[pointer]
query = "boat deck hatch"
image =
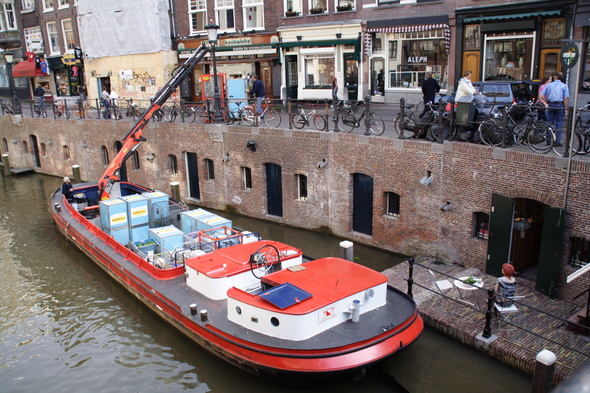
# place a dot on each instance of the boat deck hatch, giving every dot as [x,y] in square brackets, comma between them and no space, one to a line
[285,295]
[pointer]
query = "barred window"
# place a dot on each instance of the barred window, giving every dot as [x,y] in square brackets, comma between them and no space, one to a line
[580,251]
[481,222]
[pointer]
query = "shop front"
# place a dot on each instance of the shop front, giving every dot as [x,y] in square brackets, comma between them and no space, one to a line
[402,51]
[313,56]
[67,74]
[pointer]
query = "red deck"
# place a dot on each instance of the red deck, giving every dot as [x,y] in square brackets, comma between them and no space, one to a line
[327,279]
[235,258]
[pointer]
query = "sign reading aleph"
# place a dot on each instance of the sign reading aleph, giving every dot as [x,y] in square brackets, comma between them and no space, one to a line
[417,59]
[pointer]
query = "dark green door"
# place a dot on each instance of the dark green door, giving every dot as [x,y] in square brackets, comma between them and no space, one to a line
[274,190]
[550,252]
[193,175]
[362,203]
[500,237]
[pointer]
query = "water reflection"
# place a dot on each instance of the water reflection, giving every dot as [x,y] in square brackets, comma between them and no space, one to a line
[67,326]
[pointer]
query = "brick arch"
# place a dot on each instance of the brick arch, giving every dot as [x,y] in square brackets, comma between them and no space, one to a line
[527,193]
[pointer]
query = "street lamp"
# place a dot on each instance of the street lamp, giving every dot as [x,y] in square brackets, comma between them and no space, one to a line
[212,29]
[9,56]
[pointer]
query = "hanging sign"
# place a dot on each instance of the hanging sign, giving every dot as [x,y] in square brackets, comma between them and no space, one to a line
[569,54]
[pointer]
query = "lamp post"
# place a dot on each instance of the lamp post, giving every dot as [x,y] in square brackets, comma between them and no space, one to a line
[212,35]
[9,56]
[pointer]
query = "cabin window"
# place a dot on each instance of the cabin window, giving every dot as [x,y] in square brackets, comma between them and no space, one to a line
[246,178]
[301,186]
[105,155]
[210,169]
[392,204]
[173,164]
[580,251]
[481,222]
[274,321]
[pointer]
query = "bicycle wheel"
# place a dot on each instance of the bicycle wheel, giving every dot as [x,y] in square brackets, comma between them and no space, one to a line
[345,120]
[575,144]
[90,112]
[167,114]
[248,116]
[540,137]
[36,111]
[419,108]
[299,120]
[76,112]
[158,115]
[490,132]
[319,122]
[66,113]
[272,118]
[376,124]
[405,131]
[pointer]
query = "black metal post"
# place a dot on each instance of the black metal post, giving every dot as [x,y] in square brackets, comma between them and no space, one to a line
[568,128]
[504,127]
[15,103]
[402,122]
[441,113]
[289,111]
[410,277]
[217,118]
[487,330]
[367,118]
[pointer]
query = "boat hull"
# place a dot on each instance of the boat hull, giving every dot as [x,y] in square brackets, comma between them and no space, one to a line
[282,364]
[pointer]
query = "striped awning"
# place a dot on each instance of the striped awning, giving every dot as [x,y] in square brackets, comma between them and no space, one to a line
[408,29]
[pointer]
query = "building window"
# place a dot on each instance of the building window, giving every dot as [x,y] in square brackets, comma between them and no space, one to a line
[553,32]
[28,5]
[246,178]
[471,38]
[68,32]
[344,5]
[210,169]
[318,69]
[63,4]
[33,39]
[293,7]
[197,10]
[173,164]
[25,147]
[7,20]
[392,204]
[47,5]
[318,6]
[481,222]
[105,155]
[301,186]
[580,251]
[53,39]
[224,12]
[136,165]
[508,57]
[43,150]
[387,2]
[4,145]
[253,11]
[66,152]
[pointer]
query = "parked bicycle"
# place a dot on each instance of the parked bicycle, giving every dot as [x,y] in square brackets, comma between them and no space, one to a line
[582,130]
[269,116]
[39,108]
[301,119]
[81,110]
[7,108]
[346,119]
[60,109]
[132,109]
[538,135]
[233,115]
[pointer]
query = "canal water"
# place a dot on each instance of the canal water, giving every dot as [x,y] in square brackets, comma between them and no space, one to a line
[66,326]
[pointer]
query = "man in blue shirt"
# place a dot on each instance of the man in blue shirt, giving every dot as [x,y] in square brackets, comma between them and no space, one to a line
[557,95]
[257,91]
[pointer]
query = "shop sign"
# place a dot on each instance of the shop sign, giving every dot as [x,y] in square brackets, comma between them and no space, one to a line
[126,74]
[417,59]
[569,54]
[237,41]
[69,59]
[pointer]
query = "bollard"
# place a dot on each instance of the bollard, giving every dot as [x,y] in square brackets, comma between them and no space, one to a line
[6,162]
[175,191]
[193,308]
[356,310]
[410,276]
[402,120]
[368,118]
[76,174]
[487,330]
[543,373]
[346,250]
[204,316]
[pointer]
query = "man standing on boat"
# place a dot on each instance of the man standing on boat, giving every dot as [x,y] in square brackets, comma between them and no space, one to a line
[67,188]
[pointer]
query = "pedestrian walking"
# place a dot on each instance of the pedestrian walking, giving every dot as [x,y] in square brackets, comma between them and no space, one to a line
[556,94]
[429,89]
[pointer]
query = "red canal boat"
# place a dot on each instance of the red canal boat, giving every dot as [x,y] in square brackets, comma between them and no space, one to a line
[257,304]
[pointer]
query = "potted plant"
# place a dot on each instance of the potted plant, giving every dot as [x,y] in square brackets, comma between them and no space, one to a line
[344,7]
[316,10]
[291,13]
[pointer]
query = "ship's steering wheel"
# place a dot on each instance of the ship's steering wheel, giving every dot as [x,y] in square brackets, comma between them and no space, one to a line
[264,260]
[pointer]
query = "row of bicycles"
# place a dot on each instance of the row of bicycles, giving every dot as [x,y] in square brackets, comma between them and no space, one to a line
[511,125]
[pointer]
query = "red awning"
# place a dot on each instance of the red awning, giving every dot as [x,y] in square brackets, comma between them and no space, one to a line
[26,69]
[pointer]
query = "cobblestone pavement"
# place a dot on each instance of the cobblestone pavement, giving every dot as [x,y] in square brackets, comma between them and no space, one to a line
[540,322]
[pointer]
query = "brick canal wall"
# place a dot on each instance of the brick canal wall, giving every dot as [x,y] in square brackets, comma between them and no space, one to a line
[464,174]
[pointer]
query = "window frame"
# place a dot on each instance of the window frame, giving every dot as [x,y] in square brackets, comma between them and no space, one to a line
[392,204]
[259,5]
[28,5]
[209,170]
[173,164]
[302,185]
[63,4]
[8,17]
[225,6]
[314,4]
[197,7]
[48,5]
[70,32]
[53,49]
[481,225]
[246,178]
[576,243]
[104,151]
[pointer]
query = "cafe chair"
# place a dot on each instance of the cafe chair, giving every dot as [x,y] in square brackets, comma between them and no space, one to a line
[443,286]
[506,314]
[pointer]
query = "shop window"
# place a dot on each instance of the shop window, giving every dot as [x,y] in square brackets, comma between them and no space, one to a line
[197,10]
[471,38]
[209,170]
[481,222]
[224,10]
[508,58]
[47,5]
[293,7]
[553,32]
[318,70]
[318,6]
[7,19]
[173,164]
[580,251]
[246,178]
[253,11]
[28,5]
[105,155]
[66,152]
[53,38]
[586,79]
[392,204]
[377,43]
[68,32]
[301,186]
